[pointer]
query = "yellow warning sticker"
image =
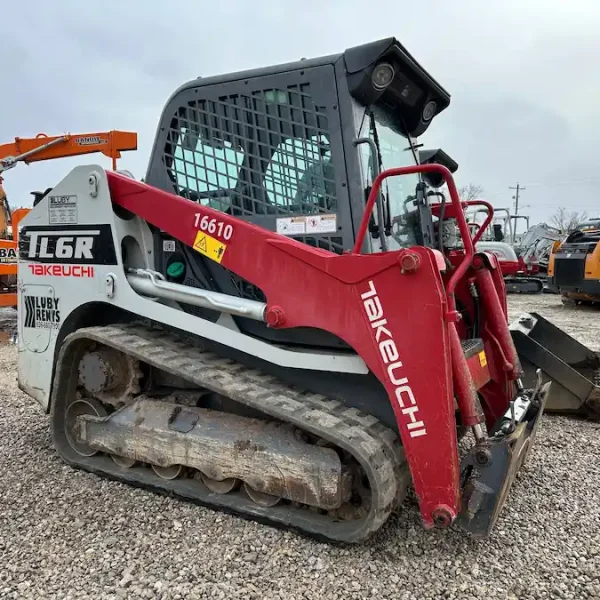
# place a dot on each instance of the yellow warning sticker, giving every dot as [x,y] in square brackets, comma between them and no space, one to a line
[209,246]
[482,359]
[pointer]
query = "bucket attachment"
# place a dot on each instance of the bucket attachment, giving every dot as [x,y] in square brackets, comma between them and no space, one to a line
[573,369]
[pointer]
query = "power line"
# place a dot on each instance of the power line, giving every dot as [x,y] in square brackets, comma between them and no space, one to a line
[518,189]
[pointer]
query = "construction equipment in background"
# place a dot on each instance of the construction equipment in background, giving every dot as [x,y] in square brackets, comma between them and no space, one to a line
[589,225]
[9,232]
[574,266]
[520,277]
[536,246]
[273,323]
[39,148]
[520,274]
[43,147]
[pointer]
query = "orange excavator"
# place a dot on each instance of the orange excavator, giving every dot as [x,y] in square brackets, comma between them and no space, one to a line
[43,147]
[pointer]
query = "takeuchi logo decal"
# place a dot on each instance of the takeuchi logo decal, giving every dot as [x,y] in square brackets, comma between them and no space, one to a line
[42,312]
[62,270]
[390,357]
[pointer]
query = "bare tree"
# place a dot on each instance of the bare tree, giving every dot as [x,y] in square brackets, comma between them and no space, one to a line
[471,191]
[567,221]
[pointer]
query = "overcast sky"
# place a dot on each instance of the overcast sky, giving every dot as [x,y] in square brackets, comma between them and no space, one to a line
[522,74]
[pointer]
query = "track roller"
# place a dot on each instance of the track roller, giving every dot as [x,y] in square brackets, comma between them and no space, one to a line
[124,461]
[171,472]
[260,498]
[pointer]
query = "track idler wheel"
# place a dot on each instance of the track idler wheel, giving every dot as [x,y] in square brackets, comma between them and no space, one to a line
[81,406]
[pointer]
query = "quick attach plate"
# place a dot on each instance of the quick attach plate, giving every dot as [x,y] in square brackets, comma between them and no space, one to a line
[490,467]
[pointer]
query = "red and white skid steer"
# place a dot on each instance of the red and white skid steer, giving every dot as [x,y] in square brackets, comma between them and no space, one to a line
[273,323]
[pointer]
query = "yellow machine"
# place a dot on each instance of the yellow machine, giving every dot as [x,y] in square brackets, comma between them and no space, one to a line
[574,267]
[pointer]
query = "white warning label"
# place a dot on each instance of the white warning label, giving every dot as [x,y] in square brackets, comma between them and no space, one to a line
[303,225]
[321,224]
[62,210]
[291,225]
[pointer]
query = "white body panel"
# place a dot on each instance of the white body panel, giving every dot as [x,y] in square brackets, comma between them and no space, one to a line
[503,251]
[49,292]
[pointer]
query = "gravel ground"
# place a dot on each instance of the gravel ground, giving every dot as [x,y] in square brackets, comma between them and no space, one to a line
[68,534]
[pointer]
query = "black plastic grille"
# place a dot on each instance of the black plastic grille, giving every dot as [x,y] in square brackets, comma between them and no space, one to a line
[569,271]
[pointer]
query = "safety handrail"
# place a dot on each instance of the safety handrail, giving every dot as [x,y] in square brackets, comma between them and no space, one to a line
[488,219]
[460,217]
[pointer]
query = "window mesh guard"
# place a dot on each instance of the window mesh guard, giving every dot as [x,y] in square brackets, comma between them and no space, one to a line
[267,153]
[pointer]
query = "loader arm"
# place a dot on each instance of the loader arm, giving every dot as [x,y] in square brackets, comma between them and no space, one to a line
[352,296]
[363,299]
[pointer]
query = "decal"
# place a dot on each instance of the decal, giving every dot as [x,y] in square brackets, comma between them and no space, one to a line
[482,359]
[90,140]
[321,224]
[291,225]
[62,210]
[213,226]
[68,244]
[61,270]
[168,246]
[391,359]
[209,246]
[41,312]
[8,255]
[304,225]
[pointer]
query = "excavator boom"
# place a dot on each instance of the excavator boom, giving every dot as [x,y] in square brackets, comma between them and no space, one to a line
[43,147]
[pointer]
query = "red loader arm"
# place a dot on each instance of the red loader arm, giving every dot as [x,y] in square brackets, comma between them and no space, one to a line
[390,307]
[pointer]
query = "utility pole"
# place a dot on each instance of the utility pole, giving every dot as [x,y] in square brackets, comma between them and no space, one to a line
[517,189]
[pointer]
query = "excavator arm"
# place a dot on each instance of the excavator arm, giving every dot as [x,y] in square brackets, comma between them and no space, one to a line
[43,147]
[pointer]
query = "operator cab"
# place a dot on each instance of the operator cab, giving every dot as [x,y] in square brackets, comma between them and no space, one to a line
[295,148]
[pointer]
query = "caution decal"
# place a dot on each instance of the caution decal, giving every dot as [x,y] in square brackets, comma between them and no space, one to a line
[209,246]
[482,359]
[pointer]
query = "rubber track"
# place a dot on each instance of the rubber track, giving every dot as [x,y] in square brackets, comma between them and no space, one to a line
[374,446]
[508,281]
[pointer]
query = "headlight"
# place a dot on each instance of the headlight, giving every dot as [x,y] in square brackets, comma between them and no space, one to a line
[382,76]
[429,110]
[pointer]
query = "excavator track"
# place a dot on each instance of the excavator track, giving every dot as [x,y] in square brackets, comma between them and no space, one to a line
[523,285]
[374,447]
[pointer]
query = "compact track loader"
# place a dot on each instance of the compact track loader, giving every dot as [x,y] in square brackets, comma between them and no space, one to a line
[278,322]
